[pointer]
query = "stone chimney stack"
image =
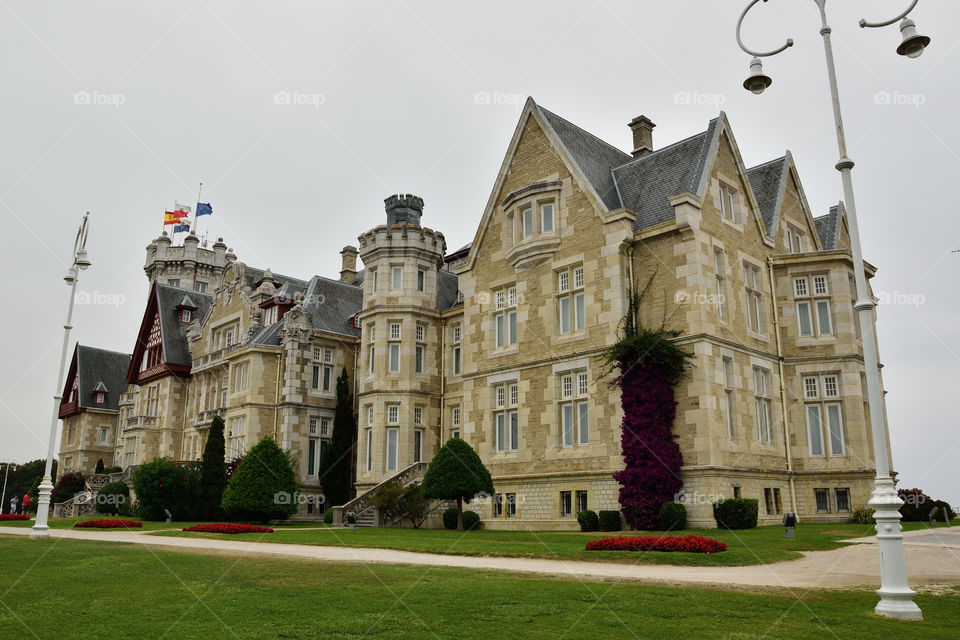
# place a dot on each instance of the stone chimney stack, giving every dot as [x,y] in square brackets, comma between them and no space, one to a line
[642,128]
[348,266]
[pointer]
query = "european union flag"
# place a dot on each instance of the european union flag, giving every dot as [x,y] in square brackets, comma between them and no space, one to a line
[181,227]
[204,209]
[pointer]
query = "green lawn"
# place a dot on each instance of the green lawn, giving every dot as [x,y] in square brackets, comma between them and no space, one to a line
[753,546]
[74,589]
[67,523]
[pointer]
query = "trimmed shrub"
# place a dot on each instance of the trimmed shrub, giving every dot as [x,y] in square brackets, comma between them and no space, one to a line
[588,521]
[736,513]
[14,516]
[450,518]
[610,521]
[328,516]
[862,515]
[213,472]
[69,485]
[917,506]
[108,524]
[264,487]
[112,499]
[686,544]
[164,484]
[456,473]
[673,516]
[335,469]
[99,468]
[113,469]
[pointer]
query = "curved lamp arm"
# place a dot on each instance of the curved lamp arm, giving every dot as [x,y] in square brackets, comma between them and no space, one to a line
[761,54]
[864,23]
[81,241]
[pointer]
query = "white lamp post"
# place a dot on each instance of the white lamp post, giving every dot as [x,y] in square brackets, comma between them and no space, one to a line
[79,261]
[896,597]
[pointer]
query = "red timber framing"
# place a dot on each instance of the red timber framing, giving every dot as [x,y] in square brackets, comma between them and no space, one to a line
[148,362]
[70,401]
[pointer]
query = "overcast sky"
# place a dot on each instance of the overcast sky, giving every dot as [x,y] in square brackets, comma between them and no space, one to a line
[301,117]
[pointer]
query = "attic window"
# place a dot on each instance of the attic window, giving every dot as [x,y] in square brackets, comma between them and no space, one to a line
[270,315]
[728,202]
[100,398]
[186,315]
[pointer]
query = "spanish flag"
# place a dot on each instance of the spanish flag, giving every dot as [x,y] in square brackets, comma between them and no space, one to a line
[173,217]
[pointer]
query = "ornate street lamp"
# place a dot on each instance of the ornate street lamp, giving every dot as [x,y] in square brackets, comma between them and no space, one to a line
[896,597]
[79,262]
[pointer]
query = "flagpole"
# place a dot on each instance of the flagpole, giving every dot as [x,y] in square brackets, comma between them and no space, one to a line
[196,218]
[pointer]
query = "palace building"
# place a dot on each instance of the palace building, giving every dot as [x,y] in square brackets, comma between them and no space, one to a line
[499,342]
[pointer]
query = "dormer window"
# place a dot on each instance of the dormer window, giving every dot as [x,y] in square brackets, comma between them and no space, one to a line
[185,309]
[99,398]
[186,315]
[270,316]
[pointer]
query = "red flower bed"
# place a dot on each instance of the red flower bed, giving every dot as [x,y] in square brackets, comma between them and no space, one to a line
[109,524]
[688,544]
[224,527]
[14,516]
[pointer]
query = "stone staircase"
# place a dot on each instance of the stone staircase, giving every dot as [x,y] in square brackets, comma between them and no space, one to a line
[365,513]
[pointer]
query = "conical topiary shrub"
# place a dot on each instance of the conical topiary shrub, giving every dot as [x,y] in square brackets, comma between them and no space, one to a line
[263,487]
[456,473]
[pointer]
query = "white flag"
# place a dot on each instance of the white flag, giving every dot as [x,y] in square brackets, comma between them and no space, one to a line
[182,207]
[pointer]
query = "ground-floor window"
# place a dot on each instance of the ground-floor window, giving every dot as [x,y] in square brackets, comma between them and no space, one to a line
[566,503]
[392,439]
[497,505]
[843,499]
[418,445]
[822,497]
[511,505]
[581,501]
[772,501]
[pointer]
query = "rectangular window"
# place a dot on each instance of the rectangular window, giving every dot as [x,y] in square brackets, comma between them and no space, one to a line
[564,315]
[456,361]
[396,278]
[324,426]
[729,398]
[369,450]
[506,418]
[394,357]
[563,281]
[822,497]
[457,334]
[835,427]
[311,456]
[372,358]
[768,500]
[574,410]
[581,501]
[814,316]
[373,281]
[754,297]
[419,359]
[810,387]
[527,222]
[830,388]
[420,332]
[800,287]
[312,429]
[393,414]
[104,435]
[764,404]
[497,505]
[824,324]
[843,499]
[392,440]
[455,416]
[566,504]
[505,320]
[546,218]
[814,430]
[579,313]
[372,333]
[720,269]
[420,280]
[395,330]
[728,198]
[418,415]
[370,415]
[418,445]
[511,505]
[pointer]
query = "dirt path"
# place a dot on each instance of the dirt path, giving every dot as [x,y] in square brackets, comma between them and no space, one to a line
[933,560]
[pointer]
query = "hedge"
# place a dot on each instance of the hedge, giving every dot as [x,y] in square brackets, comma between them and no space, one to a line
[610,521]
[673,516]
[471,519]
[588,521]
[736,513]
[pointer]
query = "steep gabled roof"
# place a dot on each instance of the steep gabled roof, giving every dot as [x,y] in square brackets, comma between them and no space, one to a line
[331,304]
[768,181]
[646,183]
[828,227]
[593,156]
[447,287]
[97,370]
[174,332]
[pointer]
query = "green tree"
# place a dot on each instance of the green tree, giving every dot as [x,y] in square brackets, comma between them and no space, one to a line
[99,468]
[456,473]
[336,467]
[23,479]
[263,487]
[213,472]
[163,485]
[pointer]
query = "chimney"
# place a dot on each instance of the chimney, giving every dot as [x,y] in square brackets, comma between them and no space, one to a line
[348,267]
[642,128]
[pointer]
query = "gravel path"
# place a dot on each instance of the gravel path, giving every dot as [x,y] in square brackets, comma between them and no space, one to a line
[933,560]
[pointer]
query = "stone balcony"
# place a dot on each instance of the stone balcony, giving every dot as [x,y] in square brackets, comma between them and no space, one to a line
[139,422]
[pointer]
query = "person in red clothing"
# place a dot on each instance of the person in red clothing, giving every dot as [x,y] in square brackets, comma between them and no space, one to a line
[25,503]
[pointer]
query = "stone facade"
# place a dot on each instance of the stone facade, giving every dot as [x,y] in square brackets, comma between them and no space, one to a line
[500,343]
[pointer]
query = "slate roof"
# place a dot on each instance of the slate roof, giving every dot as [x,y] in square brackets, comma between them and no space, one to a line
[827,227]
[646,183]
[331,303]
[594,157]
[99,368]
[173,331]
[447,287]
[766,180]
